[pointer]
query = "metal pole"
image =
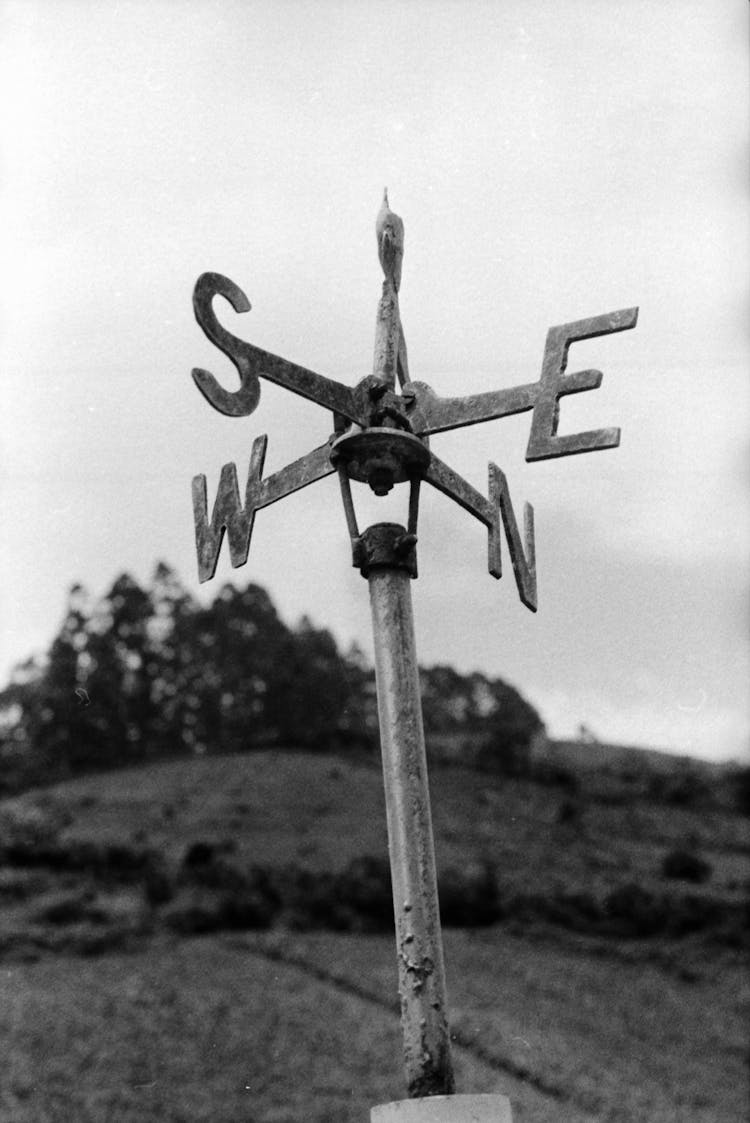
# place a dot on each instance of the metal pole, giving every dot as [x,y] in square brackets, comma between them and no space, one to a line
[389,567]
[381,438]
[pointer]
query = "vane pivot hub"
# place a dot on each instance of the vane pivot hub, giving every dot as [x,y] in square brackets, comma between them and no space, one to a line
[381,457]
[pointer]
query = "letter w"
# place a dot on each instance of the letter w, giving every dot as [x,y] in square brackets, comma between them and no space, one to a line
[228,514]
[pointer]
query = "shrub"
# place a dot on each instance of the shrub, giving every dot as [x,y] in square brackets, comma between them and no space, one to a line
[26,826]
[578,911]
[205,864]
[694,914]
[633,911]
[365,887]
[569,811]
[221,892]
[315,900]
[469,897]
[195,912]
[741,789]
[69,908]
[121,862]
[254,901]
[198,910]
[683,787]
[685,865]
[19,885]
[157,884]
[553,773]
[199,854]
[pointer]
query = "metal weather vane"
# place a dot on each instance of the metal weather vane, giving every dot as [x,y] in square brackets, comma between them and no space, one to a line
[381,437]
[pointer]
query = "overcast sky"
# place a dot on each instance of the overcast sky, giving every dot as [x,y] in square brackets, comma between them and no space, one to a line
[551,161]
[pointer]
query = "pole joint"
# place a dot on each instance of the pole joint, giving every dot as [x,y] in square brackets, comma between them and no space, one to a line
[386,545]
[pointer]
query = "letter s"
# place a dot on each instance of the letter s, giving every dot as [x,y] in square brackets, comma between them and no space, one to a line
[242,402]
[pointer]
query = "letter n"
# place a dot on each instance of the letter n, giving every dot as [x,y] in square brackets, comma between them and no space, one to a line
[523,561]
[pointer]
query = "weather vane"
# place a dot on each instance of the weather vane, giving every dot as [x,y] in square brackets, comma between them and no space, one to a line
[381,437]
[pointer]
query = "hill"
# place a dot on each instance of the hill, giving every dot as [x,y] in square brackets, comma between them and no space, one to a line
[584,852]
[588,754]
[594,944]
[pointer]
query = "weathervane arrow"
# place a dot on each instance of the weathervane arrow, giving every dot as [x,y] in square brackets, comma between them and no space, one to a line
[381,436]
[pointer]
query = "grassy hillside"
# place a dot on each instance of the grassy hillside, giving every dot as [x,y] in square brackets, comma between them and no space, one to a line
[318,812]
[611,984]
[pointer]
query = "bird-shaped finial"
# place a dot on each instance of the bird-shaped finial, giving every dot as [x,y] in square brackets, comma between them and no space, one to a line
[389,230]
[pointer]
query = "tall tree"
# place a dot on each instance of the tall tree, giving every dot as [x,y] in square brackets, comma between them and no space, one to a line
[57,725]
[146,672]
[171,663]
[117,681]
[310,690]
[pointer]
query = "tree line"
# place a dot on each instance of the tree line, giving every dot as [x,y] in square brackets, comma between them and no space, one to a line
[145,673]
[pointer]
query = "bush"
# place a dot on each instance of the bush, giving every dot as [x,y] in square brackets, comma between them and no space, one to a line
[685,865]
[633,911]
[206,864]
[694,914]
[68,908]
[313,900]
[195,912]
[19,885]
[469,897]
[24,825]
[741,784]
[569,811]
[365,886]
[254,902]
[157,884]
[199,854]
[221,893]
[553,773]
[683,787]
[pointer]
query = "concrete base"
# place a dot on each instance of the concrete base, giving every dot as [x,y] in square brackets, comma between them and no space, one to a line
[445,1109]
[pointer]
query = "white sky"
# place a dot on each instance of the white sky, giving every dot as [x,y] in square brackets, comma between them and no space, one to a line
[551,161]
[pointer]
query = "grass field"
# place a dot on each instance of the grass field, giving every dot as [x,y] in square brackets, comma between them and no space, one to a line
[106,1014]
[224,1029]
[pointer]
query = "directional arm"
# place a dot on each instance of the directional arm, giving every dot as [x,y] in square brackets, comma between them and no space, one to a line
[382,436]
[430,413]
[433,414]
[554,383]
[253,363]
[490,511]
[237,520]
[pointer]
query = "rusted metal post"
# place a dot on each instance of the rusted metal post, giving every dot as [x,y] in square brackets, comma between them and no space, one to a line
[389,565]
